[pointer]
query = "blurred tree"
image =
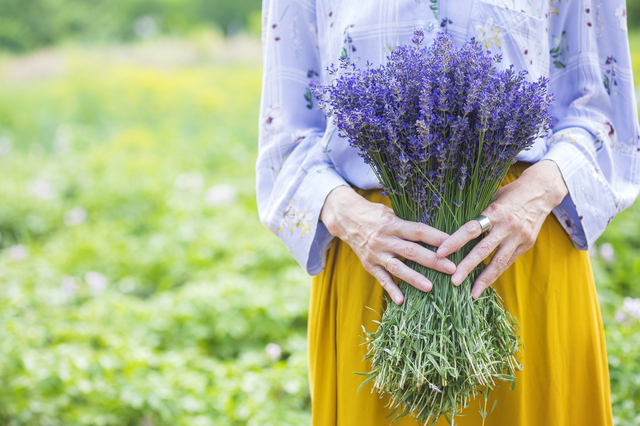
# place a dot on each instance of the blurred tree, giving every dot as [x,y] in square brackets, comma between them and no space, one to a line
[26,25]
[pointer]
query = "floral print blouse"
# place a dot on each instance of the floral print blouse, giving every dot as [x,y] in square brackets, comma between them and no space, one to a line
[581,45]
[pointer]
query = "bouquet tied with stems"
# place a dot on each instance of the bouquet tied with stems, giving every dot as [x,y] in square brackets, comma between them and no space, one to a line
[440,126]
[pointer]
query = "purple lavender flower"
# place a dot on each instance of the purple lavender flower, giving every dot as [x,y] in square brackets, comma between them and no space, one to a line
[434,116]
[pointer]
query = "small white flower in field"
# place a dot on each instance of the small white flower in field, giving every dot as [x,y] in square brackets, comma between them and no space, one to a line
[145,27]
[620,316]
[97,282]
[18,252]
[75,216]
[273,350]
[69,286]
[5,145]
[42,188]
[189,181]
[434,388]
[62,139]
[607,253]
[292,386]
[631,307]
[220,194]
[593,251]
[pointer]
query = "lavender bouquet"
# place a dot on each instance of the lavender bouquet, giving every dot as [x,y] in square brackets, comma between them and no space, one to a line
[440,126]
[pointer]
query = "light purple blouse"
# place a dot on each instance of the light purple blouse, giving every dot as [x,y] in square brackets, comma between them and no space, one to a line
[581,45]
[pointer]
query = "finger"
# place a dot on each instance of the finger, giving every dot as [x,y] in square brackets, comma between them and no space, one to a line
[458,239]
[424,256]
[481,251]
[500,261]
[416,231]
[386,281]
[396,267]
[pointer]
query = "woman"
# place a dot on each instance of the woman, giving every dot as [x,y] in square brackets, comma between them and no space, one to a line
[312,186]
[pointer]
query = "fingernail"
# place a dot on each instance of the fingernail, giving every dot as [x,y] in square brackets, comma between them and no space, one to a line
[456,279]
[450,267]
[398,299]
[442,252]
[426,286]
[476,293]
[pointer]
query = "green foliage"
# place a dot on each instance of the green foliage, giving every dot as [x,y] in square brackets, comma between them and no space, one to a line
[138,286]
[26,25]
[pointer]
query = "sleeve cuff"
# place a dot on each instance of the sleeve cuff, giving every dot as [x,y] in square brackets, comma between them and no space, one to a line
[588,209]
[309,245]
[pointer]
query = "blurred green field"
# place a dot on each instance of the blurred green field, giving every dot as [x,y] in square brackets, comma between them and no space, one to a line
[138,286]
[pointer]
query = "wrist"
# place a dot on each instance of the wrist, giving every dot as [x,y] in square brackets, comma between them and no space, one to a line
[334,205]
[549,176]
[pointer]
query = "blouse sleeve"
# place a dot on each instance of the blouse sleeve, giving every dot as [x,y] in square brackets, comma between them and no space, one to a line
[595,140]
[293,173]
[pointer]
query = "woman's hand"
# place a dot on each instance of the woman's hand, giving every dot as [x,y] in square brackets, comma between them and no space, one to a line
[379,237]
[516,214]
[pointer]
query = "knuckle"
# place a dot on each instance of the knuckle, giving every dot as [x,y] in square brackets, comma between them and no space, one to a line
[482,282]
[374,241]
[384,283]
[440,262]
[502,261]
[368,266]
[464,268]
[471,227]
[509,220]
[529,240]
[387,219]
[409,251]
[483,249]
[415,279]
[393,266]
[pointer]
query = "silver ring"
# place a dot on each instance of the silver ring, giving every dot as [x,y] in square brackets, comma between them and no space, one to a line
[387,262]
[484,222]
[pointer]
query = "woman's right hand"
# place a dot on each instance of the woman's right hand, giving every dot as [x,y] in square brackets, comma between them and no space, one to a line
[376,234]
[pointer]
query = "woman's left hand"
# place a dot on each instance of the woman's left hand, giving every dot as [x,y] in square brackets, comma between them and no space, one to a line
[516,213]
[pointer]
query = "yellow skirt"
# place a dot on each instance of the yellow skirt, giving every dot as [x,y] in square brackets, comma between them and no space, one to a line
[549,289]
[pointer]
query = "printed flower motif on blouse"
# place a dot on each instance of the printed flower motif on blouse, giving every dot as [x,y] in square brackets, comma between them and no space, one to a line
[445,22]
[628,146]
[434,8]
[609,78]
[565,219]
[487,34]
[272,119]
[313,29]
[561,137]
[621,14]
[349,49]
[599,21]
[552,9]
[588,21]
[559,52]
[295,35]
[308,96]
[602,136]
[294,219]
[299,135]
[582,101]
